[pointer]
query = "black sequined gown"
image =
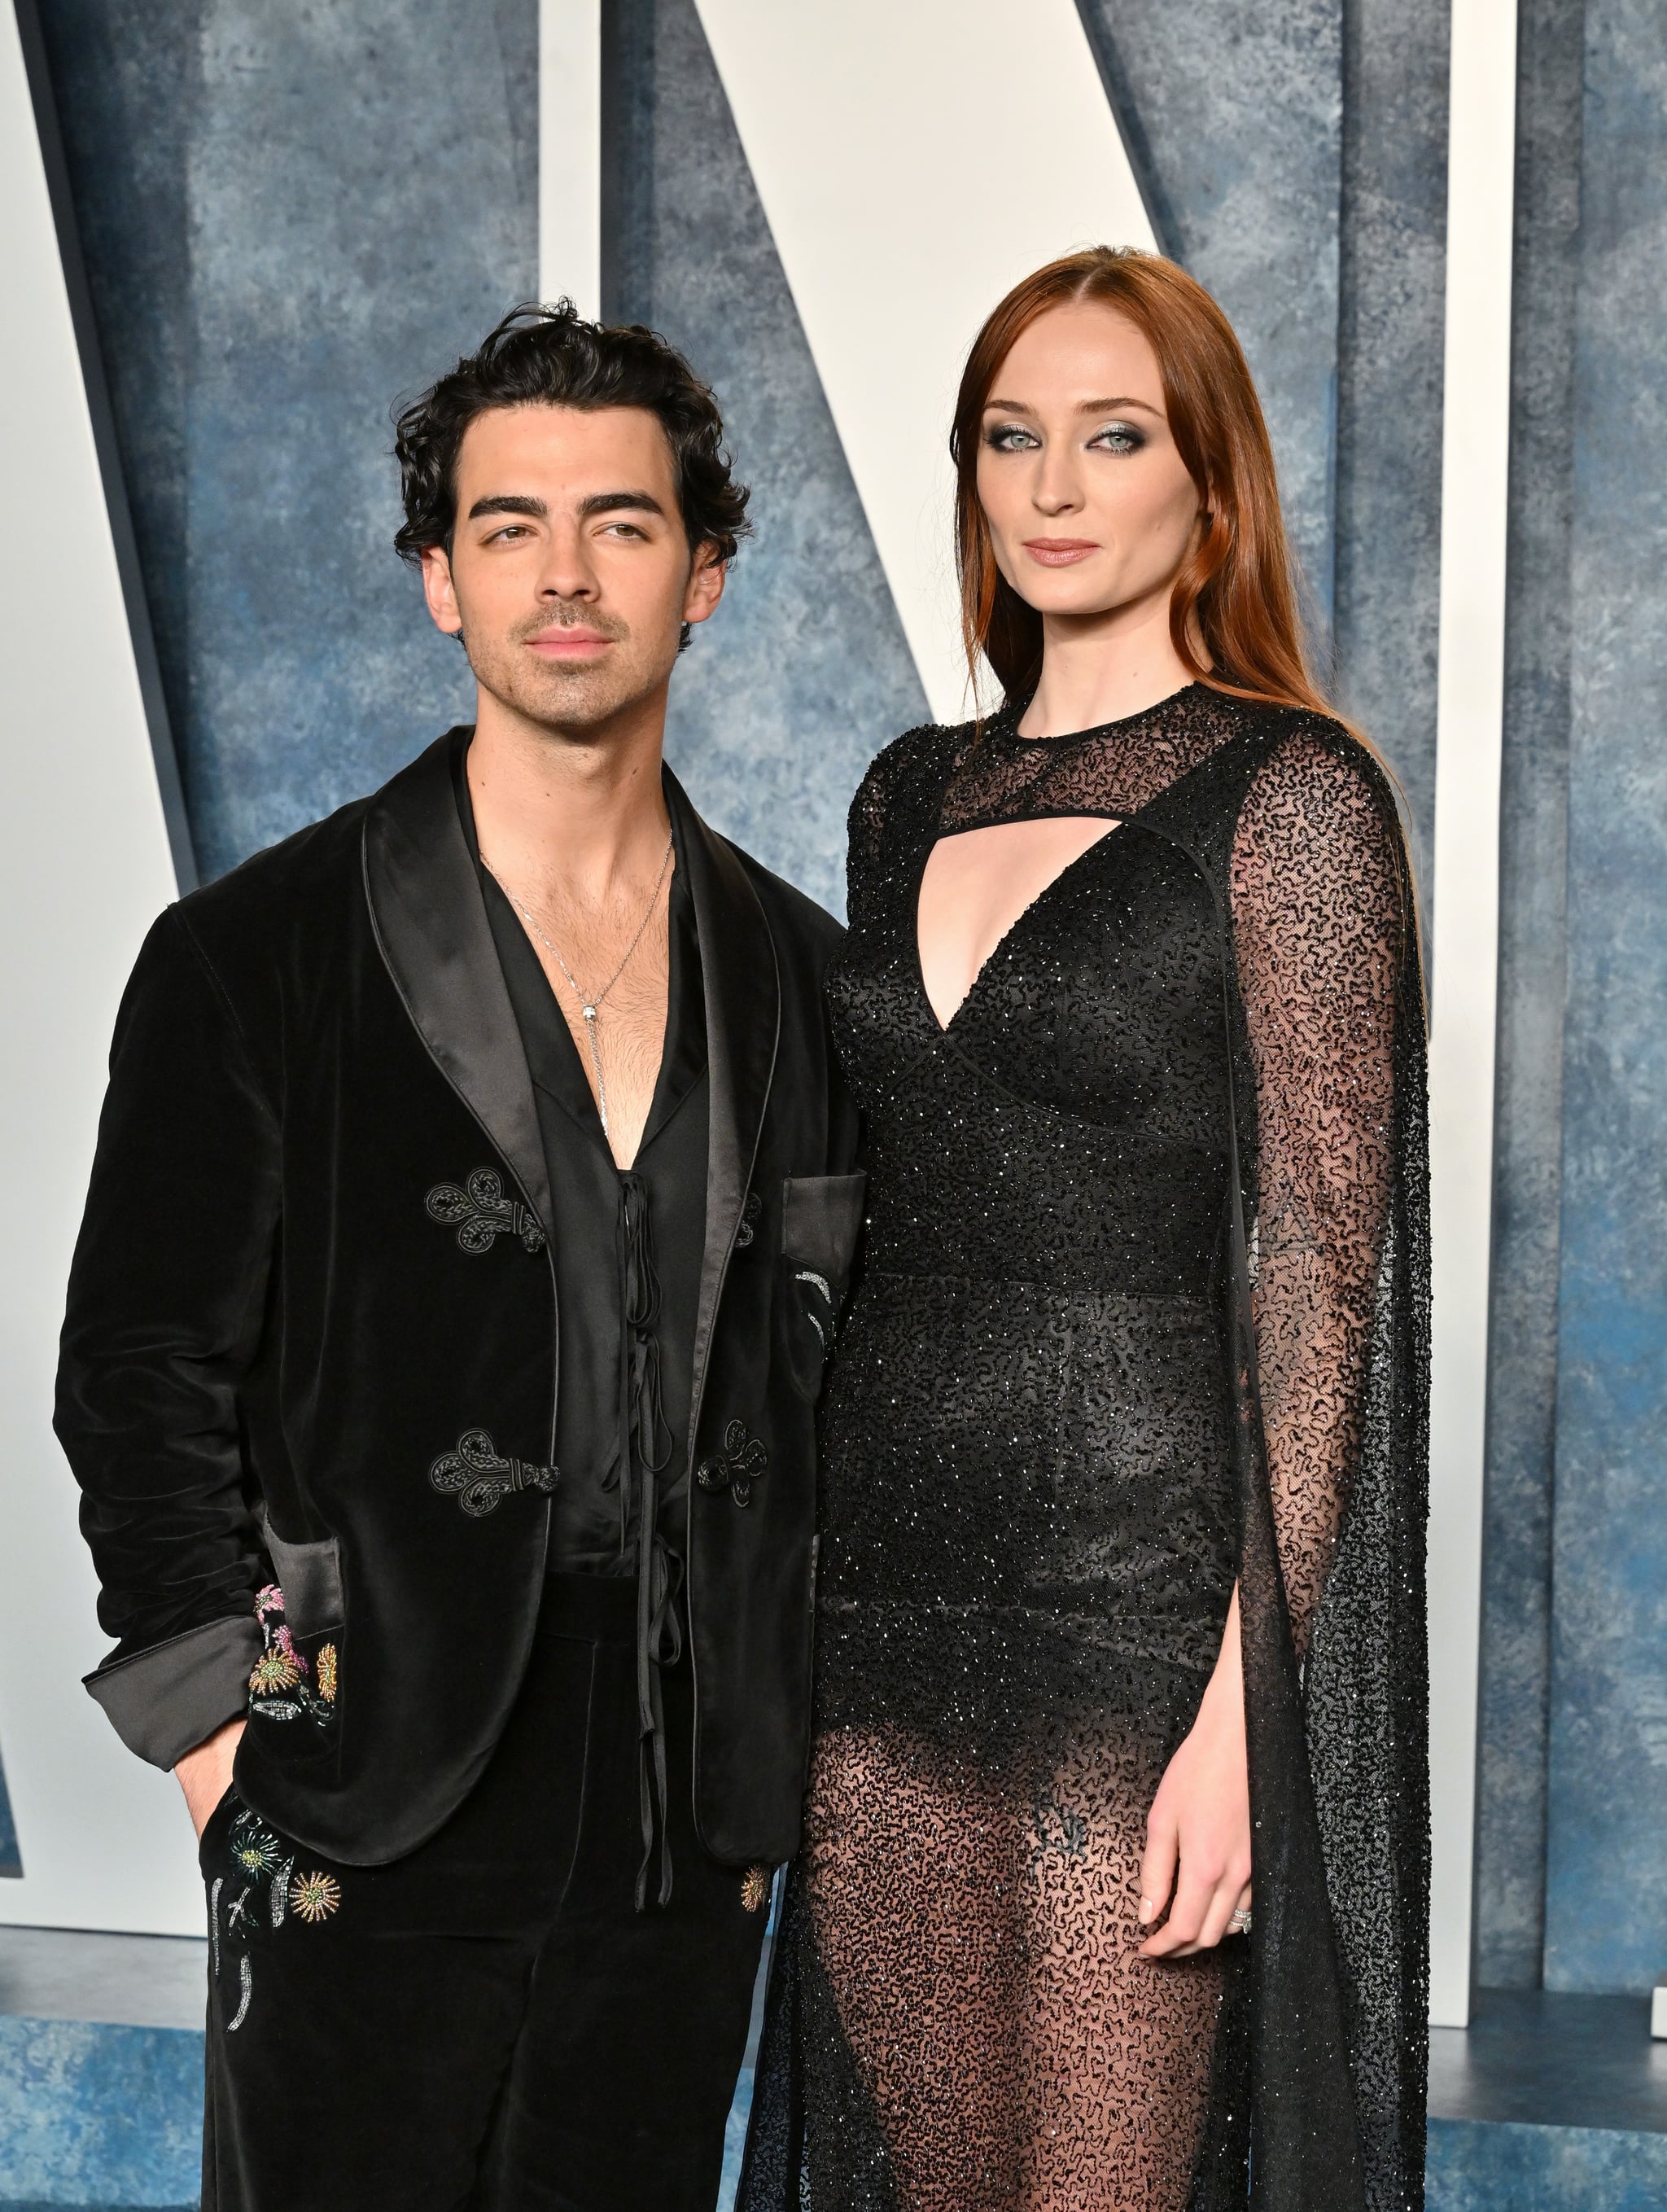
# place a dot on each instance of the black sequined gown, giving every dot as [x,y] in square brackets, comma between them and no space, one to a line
[1079,1396]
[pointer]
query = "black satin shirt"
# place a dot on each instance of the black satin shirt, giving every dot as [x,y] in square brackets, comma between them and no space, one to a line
[627,1245]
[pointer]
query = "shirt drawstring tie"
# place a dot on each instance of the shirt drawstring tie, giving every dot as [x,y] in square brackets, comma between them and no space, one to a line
[659,1570]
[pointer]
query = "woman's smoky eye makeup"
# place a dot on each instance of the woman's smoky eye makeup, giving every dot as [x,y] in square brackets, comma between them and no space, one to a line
[1119,438]
[1116,437]
[1008,437]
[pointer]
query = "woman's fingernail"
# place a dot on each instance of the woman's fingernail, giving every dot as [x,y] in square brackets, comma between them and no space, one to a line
[1145,1911]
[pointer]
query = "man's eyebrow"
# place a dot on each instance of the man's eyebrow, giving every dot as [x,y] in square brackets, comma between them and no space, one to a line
[510,503]
[600,502]
[609,502]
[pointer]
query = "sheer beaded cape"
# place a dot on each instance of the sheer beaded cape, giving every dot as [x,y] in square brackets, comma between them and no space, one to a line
[1144,1313]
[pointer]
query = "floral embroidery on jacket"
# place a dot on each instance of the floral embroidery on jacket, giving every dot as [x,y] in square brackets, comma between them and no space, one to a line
[278,1687]
[273,1672]
[752,1208]
[741,1463]
[480,1213]
[755,1889]
[478,1476]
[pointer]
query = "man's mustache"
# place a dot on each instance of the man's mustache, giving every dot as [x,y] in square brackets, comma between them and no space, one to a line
[565,617]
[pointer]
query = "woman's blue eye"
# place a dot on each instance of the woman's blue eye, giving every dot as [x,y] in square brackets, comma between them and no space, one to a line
[1118,438]
[1009,438]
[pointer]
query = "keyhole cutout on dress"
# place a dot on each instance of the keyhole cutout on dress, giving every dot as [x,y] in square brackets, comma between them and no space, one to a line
[977,886]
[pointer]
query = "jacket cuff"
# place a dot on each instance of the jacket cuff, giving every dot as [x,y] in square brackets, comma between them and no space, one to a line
[163,1702]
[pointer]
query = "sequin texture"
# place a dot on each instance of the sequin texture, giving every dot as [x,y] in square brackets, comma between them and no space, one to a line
[1046,1466]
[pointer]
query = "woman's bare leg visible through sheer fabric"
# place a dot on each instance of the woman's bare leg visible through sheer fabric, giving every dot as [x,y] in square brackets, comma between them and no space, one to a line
[979,1933]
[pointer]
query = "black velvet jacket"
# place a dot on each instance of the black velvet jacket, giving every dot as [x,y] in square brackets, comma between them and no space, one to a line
[290,1356]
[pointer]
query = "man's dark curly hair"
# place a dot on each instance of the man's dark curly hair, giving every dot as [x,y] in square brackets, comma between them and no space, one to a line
[552,356]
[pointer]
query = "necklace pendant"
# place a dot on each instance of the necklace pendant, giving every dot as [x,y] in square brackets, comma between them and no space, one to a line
[589,1012]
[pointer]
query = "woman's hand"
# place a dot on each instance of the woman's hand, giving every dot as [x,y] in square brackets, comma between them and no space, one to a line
[205,1774]
[1201,1817]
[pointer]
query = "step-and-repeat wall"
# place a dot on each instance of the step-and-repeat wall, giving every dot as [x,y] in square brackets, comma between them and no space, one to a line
[237,237]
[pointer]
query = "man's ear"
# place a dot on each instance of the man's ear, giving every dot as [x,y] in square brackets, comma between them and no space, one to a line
[706,583]
[440,591]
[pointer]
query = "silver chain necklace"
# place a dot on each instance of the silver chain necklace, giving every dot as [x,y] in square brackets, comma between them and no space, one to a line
[589,1007]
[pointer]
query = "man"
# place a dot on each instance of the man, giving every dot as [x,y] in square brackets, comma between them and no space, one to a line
[473,1195]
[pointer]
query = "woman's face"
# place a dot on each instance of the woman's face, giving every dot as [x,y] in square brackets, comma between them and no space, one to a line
[1090,507]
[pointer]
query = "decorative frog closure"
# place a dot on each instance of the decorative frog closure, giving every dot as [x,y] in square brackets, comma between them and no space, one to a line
[480,1213]
[741,1463]
[479,1477]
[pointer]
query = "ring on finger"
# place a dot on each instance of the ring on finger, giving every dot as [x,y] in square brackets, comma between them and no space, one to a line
[1239,1922]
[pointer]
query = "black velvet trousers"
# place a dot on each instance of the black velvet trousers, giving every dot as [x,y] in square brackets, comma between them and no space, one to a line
[488,2024]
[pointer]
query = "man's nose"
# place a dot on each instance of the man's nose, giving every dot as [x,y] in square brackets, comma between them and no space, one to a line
[567,571]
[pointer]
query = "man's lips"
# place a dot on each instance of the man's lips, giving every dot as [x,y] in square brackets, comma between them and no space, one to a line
[568,644]
[1059,552]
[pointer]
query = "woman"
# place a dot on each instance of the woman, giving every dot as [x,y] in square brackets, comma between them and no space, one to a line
[1114,1891]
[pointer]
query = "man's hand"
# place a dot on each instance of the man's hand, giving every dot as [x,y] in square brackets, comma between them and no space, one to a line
[205,1774]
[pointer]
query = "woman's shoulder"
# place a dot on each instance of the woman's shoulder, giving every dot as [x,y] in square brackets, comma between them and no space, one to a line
[1296,762]
[916,758]
[1320,769]
[1299,745]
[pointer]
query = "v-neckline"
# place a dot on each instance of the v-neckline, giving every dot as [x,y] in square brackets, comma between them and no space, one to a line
[1125,818]
[944,1028]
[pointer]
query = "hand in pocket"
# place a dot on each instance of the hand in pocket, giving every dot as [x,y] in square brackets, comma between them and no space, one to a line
[205,1774]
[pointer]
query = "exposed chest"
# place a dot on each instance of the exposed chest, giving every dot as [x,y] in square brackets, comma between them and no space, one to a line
[1099,993]
[616,1012]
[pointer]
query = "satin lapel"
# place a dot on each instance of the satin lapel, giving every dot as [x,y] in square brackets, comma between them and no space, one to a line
[432,929]
[743,1021]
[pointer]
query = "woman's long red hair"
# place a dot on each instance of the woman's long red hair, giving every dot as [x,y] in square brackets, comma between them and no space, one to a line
[1236,596]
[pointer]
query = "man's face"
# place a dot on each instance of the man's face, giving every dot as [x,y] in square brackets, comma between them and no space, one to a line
[569,575]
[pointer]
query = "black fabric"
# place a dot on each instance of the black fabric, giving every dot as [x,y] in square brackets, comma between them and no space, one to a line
[1142,1316]
[314,1276]
[486,2024]
[164,1702]
[606,1226]
[628,1246]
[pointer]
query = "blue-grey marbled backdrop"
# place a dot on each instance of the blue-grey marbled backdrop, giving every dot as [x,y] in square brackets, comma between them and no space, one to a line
[291,215]
[1516,1674]
[787,693]
[1606,1865]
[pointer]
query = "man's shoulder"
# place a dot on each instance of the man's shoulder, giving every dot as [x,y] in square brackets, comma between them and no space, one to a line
[253,918]
[291,873]
[298,885]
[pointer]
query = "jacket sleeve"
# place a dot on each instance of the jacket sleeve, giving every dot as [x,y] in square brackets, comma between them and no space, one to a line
[167,1294]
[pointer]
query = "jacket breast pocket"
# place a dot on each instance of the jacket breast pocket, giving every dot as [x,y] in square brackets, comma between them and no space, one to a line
[821,1223]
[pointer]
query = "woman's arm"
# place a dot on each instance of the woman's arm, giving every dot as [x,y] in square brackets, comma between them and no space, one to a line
[1198,1831]
[1318,926]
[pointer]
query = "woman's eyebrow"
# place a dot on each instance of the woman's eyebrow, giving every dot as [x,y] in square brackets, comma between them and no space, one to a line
[1085,407]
